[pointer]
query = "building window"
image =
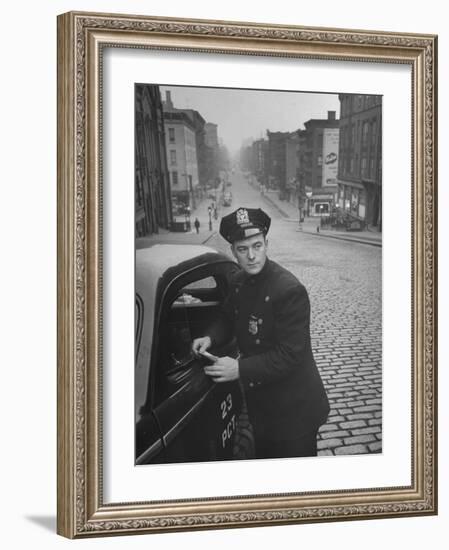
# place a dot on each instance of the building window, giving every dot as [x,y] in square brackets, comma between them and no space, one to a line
[347,198]
[173,157]
[373,132]
[353,135]
[171,135]
[354,201]
[321,208]
[174,178]
[364,167]
[365,134]
[372,169]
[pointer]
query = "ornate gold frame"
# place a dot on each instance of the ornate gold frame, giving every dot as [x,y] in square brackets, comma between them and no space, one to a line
[81,37]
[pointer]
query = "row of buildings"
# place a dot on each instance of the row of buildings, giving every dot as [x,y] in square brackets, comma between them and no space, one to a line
[332,166]
[177,159]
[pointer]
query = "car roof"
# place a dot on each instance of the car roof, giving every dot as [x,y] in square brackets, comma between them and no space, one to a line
[162,256]
[157,259]
[166,261]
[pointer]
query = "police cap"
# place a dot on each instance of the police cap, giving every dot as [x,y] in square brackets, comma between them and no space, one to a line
[244,223]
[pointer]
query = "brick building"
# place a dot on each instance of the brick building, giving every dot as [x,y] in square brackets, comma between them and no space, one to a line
[318,162]
[282,162]
[181,145]
[259,160]
[152,182]
[360,166]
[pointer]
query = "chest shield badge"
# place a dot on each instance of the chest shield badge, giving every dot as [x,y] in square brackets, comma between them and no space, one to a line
[253,326]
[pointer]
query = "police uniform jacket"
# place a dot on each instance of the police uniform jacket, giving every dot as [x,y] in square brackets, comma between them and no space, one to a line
[270,313]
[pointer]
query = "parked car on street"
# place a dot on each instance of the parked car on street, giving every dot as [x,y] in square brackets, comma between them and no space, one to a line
[181,414]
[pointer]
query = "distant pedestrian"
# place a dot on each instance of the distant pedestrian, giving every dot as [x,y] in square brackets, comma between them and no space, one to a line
[196,223]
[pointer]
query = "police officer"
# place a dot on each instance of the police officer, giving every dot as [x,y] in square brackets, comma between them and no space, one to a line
[270,313]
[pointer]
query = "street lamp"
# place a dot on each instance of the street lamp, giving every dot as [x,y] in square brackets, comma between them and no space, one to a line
[209,209]
[321,215]
[308,197]
[187,215]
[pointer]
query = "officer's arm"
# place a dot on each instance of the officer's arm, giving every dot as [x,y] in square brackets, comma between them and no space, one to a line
[292,336]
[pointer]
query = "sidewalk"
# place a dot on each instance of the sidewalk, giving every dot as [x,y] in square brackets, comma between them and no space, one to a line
[311,225]
[191,237]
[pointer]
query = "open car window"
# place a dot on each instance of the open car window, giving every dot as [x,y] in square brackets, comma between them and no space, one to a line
[178,338]
[202,284]
[191,305]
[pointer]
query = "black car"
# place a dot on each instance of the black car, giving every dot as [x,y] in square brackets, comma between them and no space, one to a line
[181,414]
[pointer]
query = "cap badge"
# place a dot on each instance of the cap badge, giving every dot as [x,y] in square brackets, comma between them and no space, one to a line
[242,216]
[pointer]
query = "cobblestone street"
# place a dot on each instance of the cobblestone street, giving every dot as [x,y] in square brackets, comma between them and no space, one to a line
[344,284]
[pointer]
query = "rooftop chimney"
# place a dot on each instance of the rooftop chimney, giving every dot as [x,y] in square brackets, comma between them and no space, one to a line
[168,101]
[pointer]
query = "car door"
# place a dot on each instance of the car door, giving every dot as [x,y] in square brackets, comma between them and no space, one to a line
[196,417]
[149,441]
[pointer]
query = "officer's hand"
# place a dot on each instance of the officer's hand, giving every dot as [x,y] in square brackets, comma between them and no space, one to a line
[226,369]
[201,344]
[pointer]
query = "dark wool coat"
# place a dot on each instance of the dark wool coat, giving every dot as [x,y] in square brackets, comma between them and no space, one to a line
[270,314]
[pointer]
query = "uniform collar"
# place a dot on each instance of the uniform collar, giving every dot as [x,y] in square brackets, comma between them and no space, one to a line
[256,279]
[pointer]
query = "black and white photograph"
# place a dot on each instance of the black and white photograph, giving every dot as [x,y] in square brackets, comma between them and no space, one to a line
[247,324]
[258,274]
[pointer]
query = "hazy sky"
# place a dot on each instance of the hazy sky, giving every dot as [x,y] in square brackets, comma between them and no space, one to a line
[243,114]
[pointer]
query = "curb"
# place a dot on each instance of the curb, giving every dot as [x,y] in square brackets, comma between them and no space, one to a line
[348,239]
[209,237]
[278,208]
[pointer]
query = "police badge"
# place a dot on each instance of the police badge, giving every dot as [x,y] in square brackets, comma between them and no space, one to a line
[253,325]
[242,216]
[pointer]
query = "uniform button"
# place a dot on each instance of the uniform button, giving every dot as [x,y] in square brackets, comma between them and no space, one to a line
[237,289]
[260,321]
[251,384]
[257,341]
[267,298]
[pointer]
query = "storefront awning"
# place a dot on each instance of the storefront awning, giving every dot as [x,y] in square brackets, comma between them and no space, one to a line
[354,184]
[327,197]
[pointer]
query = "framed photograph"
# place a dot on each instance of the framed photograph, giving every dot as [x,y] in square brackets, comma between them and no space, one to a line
[246,274]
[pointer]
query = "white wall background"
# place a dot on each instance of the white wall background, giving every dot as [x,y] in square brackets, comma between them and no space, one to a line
[28,272]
